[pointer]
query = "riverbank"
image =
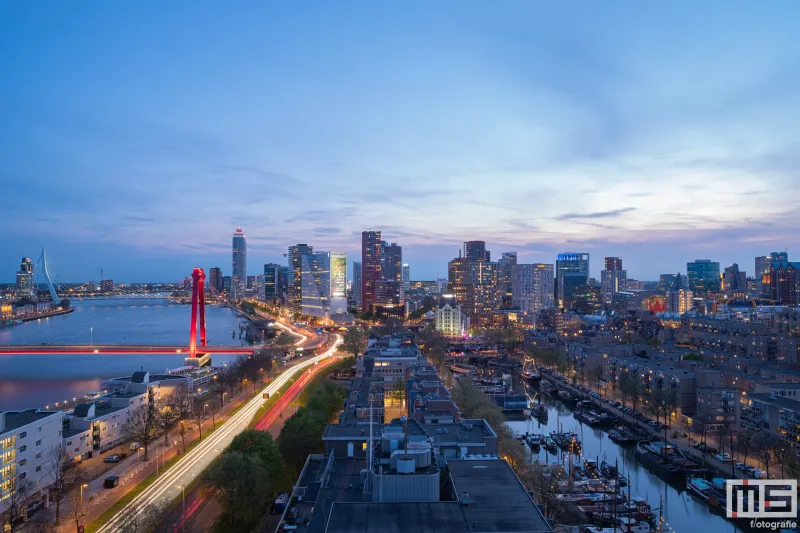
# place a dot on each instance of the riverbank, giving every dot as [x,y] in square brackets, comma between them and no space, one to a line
[47,315]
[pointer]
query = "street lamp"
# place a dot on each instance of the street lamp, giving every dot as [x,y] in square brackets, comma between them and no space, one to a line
[83,486]
[183,497]
[91,336]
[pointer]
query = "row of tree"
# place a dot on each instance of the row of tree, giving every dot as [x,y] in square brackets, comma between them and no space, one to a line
[255,466]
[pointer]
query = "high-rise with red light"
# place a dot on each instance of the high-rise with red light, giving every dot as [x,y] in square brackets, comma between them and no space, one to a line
[370,267]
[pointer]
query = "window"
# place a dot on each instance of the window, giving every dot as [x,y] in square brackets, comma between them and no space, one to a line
[23,475]
[39,442]
[39,468]
[23,434]
[39,455]
[22,448]
[23,462]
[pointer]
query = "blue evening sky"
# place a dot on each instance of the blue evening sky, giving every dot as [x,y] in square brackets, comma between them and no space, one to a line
[135,136]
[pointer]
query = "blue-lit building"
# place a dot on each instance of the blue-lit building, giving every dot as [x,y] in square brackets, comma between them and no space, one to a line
[703,275]
[572,271]
[239,271]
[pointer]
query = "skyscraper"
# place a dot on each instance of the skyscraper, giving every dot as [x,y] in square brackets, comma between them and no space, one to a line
[406,276]
[357,284]
[25,278]
[532,287]
[215,280]
[391,262]
[504,274]
[572,271]
[370,267]
[272,283]
[338,276]
[734,281]
[703,275]
[239,271]
[679,296]
[474,282]
[612,279]
[294,287]
[784,282]
[476,250]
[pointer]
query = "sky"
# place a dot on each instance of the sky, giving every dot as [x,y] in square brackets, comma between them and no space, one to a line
[136,136]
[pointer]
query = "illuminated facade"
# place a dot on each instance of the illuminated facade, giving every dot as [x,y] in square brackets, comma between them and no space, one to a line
[294,287]
[356,286]
[613,279]
[476,250]
[703,275]
[272,283]
[25,278]
[505,266]
[680,299]
[239,271]
[532,287]
[449,319]
[783,282]
[371,272]
[338,276]
[391,262]
[572,271]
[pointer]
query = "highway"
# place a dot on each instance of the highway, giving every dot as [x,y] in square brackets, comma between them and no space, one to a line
[170,485]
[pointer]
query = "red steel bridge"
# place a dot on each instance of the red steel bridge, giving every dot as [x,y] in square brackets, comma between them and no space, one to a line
[198,312]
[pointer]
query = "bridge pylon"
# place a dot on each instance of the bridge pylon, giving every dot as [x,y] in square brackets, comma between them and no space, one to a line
[198,308]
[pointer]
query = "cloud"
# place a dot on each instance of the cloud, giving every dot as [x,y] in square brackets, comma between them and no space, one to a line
[327,231]
[600,214]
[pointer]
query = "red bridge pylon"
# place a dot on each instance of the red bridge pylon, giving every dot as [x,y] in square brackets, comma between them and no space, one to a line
[198,303]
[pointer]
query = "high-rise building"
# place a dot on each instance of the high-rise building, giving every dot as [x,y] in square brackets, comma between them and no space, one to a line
[474,282]
[107,285]
[25,278]
[370,266]
[703,275]
[215,280]
[338,276]
[391,261]
[734,281]
[763,267]
[294,285]
[680,298]
[665,281]
[572,271]
[476,250]
[272,283]
[406,275]
[251,283]
[315,284]
[612,279]
[504,269]
[239,272]
[784,282]
[356,287]
[227,285]
[441,285]
[532,287]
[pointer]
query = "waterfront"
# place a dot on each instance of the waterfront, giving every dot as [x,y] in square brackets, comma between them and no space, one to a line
[36,380]
[682,512]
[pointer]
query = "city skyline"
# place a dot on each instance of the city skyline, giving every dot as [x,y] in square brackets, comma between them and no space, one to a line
[539,129]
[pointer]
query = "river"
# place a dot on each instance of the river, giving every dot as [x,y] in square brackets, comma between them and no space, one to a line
[682,512]
[36,380]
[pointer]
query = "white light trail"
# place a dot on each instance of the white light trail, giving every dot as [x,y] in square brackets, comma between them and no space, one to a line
[163,490]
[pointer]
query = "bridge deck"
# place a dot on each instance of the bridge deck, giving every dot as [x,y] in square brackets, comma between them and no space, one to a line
[118,348]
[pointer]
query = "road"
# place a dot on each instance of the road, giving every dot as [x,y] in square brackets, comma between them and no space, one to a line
[170,485]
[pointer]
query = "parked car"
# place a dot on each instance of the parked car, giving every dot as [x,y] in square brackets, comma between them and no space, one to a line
[112,459]
[723,457]
[652,423]
[741,467]
[135,446]
[710,450]
[110,482]
[751,470]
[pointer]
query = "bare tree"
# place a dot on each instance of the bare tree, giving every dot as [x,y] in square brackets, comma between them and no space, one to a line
[78,508]
[141,426]
[213,408]
[19,492]
[183,429]
[144,519]
[199,416]
[180,400]
[167,415]
[63,475]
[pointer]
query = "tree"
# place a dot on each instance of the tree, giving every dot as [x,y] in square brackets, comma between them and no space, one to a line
[241,482]
[199,416]
[354,341]
[183,429]
[142,519]
[141,426]
[63,476]
[78,508]
[19,491]
[261,445]
[745,443]
[180,401]
[300,437]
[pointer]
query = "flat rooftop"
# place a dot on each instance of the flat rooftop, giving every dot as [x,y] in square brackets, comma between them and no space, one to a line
[16,419]
[422,517]
[497,500]
[469,431]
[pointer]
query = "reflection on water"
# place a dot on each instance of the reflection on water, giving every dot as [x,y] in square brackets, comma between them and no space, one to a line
[682,512]
[33,381]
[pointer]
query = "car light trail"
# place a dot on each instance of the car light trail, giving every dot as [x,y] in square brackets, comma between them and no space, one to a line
[164,489]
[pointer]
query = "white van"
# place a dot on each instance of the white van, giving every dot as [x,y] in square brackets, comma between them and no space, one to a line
[135,446]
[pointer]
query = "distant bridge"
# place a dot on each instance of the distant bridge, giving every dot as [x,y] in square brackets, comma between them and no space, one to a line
[118,349]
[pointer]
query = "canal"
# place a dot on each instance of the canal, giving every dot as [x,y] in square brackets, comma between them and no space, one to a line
[682,512]
[36,380]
